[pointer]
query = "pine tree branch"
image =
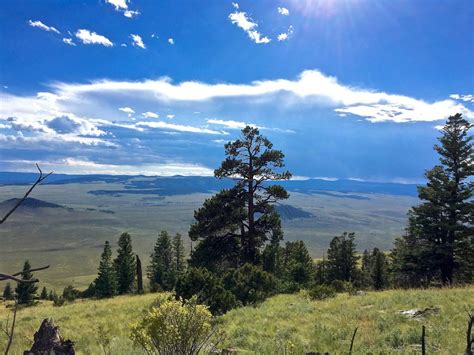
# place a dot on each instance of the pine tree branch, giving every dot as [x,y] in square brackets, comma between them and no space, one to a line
[14,278]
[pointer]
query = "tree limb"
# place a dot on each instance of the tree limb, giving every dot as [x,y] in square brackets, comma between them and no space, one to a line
[14,278]
[40,178]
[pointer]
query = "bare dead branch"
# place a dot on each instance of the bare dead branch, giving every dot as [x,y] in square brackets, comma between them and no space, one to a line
[352,340]
[469,339]
[40,179]
[15,278]
[12,330]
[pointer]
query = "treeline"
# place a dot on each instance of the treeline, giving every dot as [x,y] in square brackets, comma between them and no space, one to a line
[240,258]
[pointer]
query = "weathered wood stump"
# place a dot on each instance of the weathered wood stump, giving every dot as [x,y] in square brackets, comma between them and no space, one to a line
[48,341]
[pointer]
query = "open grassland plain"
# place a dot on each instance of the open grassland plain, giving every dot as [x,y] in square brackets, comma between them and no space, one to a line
[284,324]
[71,238]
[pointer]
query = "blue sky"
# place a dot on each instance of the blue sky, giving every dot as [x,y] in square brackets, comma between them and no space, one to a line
[346,88]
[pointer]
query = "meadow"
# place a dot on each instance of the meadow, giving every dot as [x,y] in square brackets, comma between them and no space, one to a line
[283,324]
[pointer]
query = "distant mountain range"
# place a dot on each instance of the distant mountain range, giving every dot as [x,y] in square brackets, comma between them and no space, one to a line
[174,185]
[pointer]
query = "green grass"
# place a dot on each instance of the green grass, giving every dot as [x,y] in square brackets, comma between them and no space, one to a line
[284,324]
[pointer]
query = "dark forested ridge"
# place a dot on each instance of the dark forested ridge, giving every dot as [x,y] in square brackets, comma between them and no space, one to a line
[178,185]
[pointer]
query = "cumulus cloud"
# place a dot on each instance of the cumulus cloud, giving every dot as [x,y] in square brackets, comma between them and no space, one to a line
[243,21]
[170,40]
[150,115]
[285,35]
[283,11]
[170,116]
[69,41]
[138,41]
[311,86]
[122,6]
[41,25]
[88,37]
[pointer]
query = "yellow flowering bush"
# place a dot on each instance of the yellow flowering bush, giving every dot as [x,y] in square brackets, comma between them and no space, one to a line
[173,326]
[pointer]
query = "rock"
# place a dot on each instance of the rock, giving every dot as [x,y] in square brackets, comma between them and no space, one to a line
[420,312]
[48,341]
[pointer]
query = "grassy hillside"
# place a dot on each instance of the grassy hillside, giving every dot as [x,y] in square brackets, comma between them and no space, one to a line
[289,324]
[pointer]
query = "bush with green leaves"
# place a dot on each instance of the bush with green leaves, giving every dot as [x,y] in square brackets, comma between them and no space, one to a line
[208,288]
[321,292]
[176,327]
[250,284]
[70,293]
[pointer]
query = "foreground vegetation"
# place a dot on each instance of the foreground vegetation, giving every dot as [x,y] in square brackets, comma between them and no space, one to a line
[283,323]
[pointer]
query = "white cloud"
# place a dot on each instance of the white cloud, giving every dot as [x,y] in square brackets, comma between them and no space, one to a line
[465,98]
[235,5]
[119,4]
[88,37]
[150,115]
[283,11]
[230,123]
[242,20]
[170,116]
[137,41]
[41,25]
[129,111]
[311,88]
[84,166]
[286,35]
[69,41]
[123,45]
[131,13]
[177,127]
[170,40]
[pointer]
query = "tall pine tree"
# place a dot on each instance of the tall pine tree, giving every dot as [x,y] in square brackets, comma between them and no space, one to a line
[8,292]
[178,254]
[124,264]
[106,281]
[26,291]
[161,270]
[342,258]
[439,243]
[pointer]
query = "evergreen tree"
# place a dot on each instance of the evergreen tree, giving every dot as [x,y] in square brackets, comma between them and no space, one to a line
[161,270]
[26,291]
[44,294]
[439,243]
[52,295]
[106,281]
[178,255]
[241,217]
[297,265]
[365,274]
[8,292]
[342,258]
[378,270]
[124,264]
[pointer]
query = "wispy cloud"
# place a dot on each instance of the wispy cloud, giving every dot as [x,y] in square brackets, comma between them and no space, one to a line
[243,21]
[178,127]
[150,115]
[41,25]
[69,41]
[131,13]
[88,37]
[465,98]
[230,123]
[137,41]
[285,35]
[283,11]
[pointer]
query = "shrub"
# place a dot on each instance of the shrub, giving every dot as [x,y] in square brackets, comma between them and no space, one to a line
[208,288]
[342,286]
[70,293]
[250,284]
[175,327]
[321,292]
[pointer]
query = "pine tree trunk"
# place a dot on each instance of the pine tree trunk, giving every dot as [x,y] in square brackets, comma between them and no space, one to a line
[139,276]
